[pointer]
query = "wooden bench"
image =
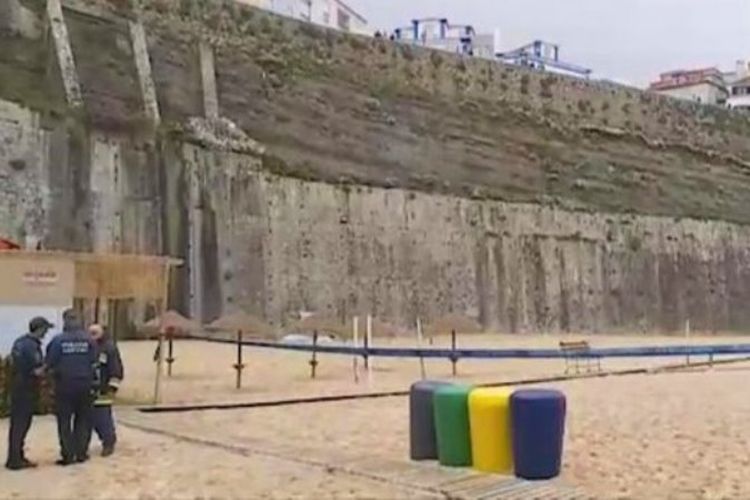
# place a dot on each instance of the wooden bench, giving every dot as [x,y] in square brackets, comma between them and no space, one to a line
[576,351]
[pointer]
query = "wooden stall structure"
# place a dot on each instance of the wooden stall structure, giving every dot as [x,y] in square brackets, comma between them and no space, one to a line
[45,283]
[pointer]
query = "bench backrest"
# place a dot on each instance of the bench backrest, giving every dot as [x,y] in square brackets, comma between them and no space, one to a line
[575,347]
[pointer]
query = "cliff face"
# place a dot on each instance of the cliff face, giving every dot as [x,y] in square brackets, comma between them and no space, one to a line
[287,245]
[301,169]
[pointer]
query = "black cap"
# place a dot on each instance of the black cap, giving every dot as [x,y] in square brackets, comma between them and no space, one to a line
[38,323]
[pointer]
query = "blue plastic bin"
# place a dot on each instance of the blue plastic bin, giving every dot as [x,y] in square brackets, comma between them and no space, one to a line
[538,428]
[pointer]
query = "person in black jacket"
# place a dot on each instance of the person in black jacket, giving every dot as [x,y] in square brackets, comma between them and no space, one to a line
[111,373]
[28,368]
[72,358]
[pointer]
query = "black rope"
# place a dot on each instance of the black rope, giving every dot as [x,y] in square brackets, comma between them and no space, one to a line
[416,352]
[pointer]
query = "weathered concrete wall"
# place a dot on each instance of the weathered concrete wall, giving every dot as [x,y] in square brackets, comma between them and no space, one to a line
[286,245]
[16,19]
[384,179]
[24,185]
[71,189]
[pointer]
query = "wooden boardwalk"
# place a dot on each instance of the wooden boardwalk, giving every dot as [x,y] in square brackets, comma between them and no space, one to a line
[424,477]
[461,483]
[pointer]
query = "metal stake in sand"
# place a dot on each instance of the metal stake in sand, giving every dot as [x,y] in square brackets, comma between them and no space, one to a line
[369,343]
[366,354]
[687,336]
[454,356]
[419,345]
[159,367]
[160,346]
[314,359]
[239,365]
[355,341]
[170,352]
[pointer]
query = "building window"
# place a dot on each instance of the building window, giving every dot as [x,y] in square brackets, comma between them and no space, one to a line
[344,20]
[305,8]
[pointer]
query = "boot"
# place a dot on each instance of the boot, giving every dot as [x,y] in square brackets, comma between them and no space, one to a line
[18,466]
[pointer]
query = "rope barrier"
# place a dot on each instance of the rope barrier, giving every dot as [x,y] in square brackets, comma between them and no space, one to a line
[432,353]
[184,408]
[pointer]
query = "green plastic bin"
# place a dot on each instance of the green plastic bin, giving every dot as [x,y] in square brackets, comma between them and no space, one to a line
[451,405]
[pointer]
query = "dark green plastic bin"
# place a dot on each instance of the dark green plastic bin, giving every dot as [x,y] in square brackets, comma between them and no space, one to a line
[451,404]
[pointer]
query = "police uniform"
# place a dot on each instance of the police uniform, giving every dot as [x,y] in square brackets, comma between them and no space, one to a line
[72,358]
[110,377]
[27,359]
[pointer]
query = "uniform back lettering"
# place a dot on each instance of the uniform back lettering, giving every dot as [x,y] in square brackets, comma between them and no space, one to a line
[74,347]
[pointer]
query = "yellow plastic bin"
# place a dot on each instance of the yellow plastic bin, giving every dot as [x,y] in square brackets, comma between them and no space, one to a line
[491,436]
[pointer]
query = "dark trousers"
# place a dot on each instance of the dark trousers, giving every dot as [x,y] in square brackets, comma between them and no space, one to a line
[104,425]
[73,410]
[21,413]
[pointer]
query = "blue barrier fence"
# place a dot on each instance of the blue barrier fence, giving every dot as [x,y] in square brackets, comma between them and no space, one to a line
[408,352]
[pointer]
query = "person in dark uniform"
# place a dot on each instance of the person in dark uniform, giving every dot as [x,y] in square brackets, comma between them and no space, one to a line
[72,359]
[28,368]
[110,376]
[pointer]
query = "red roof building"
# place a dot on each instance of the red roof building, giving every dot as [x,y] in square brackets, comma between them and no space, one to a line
[705,85]
[8,245]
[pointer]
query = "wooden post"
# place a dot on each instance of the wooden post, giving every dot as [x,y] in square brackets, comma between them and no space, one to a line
[420,343]
[454,358]
[160,344]
[314,359]
[97,306]
[239,366]
[355,342]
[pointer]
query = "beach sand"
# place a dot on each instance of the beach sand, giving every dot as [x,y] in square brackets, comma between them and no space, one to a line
[148,466]
[675,435]
[669,435]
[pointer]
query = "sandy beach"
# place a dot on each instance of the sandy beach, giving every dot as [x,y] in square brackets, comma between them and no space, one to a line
[147,466]
[665,435]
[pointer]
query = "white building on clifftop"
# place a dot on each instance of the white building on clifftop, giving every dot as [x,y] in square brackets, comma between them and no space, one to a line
[440,34]
[330,13]
[738,82]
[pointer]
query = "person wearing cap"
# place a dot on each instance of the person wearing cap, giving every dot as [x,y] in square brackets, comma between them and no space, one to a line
[72,359]
[110,377]
[28,368]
